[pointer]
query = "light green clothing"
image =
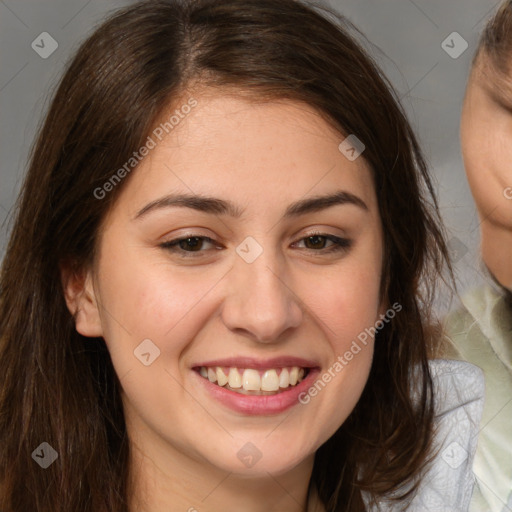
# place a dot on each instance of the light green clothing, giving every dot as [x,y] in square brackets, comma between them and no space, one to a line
[482,334]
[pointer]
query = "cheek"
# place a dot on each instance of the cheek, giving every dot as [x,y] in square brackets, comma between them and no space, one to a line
[348,299]
[155,303]
[348,305]
[474,153]
[352,300]
[486,132]
[487,168]
[349,312]
[475,149]
[148,298]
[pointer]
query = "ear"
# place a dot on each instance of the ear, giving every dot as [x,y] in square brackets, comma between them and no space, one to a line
[384,301]
[81,300]
[384,308]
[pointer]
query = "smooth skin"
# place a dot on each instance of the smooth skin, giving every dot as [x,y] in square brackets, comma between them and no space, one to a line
[486,136]
[206,302]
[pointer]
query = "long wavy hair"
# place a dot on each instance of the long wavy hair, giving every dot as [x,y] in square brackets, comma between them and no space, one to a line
[59,387]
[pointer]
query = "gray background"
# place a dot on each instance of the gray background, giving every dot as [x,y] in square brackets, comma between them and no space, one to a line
[406,40]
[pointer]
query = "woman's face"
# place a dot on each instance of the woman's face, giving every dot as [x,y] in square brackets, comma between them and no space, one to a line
[486,136]
[281,270]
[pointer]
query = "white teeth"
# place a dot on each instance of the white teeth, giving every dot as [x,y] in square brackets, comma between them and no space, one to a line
[234,379]
[212,376]
[294,375]
[284,378]
[270,381]
[222,378]
[251,380]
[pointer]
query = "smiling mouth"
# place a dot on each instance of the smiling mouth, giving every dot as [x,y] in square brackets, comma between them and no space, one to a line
[250,381]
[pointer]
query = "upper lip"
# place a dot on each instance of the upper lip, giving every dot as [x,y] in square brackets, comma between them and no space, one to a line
[252,362]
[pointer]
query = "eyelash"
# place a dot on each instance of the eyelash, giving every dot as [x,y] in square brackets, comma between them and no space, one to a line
[339,244]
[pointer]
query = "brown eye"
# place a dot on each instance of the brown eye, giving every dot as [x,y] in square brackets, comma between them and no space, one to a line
[195,243]
[317,243]
[190,244]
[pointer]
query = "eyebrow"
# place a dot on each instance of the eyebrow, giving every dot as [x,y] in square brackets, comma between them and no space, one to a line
[499,90]
[213,205]
[501,97]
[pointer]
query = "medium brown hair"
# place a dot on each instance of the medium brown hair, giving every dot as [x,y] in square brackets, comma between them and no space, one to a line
[60,387]
[496,39]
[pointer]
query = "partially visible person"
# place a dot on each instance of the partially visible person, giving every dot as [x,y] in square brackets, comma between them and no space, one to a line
[481,332]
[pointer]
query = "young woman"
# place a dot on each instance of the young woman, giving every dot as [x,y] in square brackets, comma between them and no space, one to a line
[482,332]
[218,284]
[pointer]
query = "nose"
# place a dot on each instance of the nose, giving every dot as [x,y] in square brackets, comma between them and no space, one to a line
[260,301]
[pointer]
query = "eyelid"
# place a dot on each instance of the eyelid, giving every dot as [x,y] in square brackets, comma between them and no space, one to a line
[314,232]
[175,241]
[338,244]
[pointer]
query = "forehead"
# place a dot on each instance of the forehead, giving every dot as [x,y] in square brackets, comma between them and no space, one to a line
[240,145]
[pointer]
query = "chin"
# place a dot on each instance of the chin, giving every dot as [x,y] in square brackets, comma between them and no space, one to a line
[259,457]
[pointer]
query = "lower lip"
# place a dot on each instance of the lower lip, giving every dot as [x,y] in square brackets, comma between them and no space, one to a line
[259,404]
